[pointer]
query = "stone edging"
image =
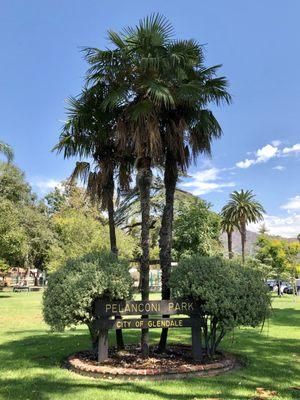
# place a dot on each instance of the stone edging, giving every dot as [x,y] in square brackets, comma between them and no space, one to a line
[75,364]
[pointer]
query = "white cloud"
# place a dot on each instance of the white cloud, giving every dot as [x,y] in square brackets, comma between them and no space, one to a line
[262,155]
[292,149]
[276,143]
[45,185]
[279,167]
[288,227]
[292,205]
[206,181]
[245,164]
[266,152]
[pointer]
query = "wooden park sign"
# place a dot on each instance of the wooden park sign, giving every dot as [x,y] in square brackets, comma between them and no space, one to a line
[104,310]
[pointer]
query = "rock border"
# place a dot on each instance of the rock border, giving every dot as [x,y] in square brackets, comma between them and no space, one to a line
[77,365]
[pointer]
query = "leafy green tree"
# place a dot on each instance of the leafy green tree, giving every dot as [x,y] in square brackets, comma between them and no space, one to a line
[13,186]
[4,267]
[13,238]
[73,288]
[227,293]
[242,209]
[196,230]
[78,215]
[39,236]
[7,151]
[54,201]
[281,256]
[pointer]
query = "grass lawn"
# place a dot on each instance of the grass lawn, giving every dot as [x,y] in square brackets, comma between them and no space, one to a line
[30,359]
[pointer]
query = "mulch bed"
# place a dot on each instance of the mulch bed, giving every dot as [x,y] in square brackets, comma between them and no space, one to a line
[129,364]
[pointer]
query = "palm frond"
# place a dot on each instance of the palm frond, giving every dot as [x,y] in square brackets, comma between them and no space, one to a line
[81,171]
[7,151]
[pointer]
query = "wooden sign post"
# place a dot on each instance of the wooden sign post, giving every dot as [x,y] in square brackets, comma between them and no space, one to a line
[104,310]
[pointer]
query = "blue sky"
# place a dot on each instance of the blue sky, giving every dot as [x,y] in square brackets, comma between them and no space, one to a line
[256,41]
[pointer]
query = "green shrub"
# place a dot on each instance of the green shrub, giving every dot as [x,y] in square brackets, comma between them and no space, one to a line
[72,289]
[228,295]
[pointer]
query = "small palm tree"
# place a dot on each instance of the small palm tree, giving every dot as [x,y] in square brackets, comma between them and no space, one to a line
[7,151]
[228,226]
[243,209]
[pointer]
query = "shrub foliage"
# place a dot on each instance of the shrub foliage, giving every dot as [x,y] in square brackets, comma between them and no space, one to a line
[72,289]
[228,294]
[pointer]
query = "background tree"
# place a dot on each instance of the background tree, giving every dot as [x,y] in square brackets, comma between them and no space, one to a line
[196,230]
[25,232]
[78,214]
[13,185]
[272,252]
[243,209]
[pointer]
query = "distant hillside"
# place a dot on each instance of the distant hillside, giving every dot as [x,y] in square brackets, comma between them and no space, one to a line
[250,244]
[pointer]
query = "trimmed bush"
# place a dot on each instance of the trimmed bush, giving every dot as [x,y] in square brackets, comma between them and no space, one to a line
[72,289]
[228,294]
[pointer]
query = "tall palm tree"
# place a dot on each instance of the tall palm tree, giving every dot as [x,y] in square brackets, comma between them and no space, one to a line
[89,132]
[243,209]
[189,130]
[228,226]
[7,151]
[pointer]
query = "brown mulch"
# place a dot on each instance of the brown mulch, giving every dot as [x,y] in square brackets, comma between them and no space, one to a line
[131,358]
[177,360]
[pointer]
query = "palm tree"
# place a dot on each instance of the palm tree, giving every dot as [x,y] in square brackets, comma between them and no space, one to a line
[7,151]
[228,226]
[243,209]
[189,130]
[298,237]
[91,133]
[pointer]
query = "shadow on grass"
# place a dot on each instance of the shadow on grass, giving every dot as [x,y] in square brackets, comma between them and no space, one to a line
[269,364]
[285,317]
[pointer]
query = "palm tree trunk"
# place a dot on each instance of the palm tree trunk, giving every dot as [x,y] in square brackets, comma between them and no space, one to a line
[113,244]
[144,180]
[243,239]
[229,241]
[112,228]
[165,240]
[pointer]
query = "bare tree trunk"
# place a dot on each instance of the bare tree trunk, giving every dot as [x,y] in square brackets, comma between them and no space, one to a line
[165,240]
[144,180]
[229,240]
[113,243]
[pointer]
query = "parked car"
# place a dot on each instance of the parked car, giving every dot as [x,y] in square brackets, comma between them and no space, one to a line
[271,283]
[288,289]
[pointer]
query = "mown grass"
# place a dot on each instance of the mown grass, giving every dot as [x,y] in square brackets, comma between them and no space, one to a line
[30,359]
